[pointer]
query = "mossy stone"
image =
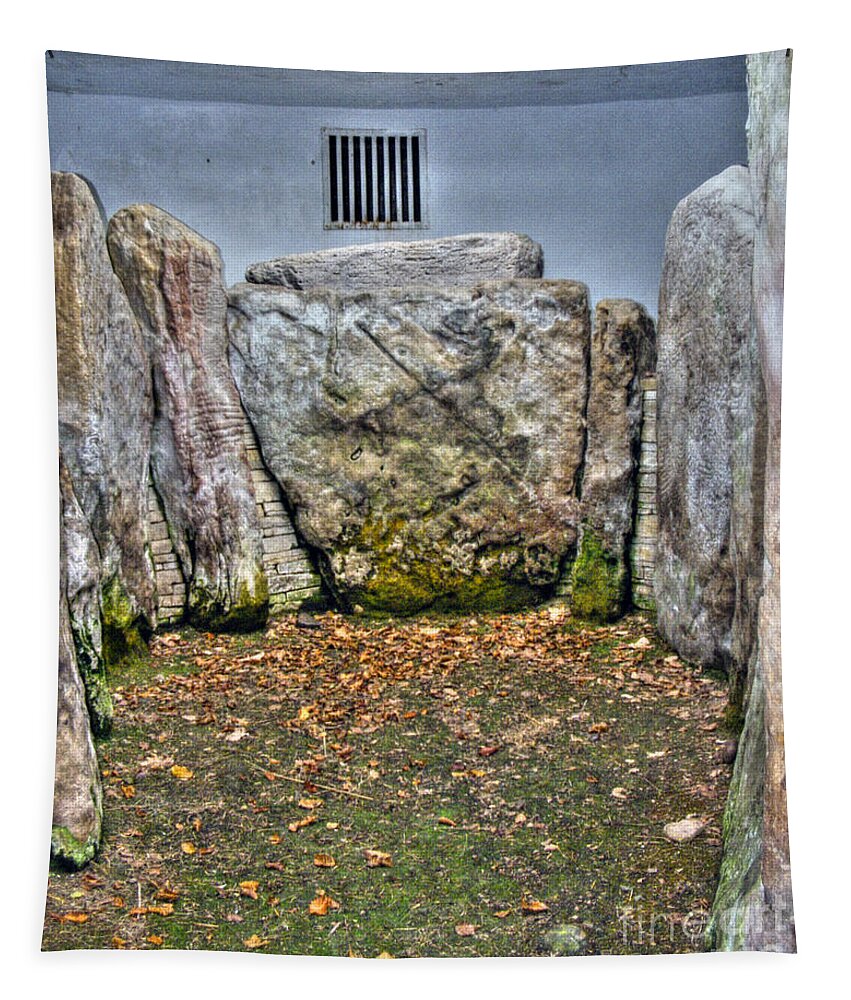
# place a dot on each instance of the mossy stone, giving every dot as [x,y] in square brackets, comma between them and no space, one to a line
[599,580]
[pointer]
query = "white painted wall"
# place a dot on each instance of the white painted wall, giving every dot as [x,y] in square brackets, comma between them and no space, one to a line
[595,184]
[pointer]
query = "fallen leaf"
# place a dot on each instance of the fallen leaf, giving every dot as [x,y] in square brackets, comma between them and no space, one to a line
[488,751]
[324,861]
[465,930]
[300,824]
[164,892]
[501,914]
[322,904]
[255,942]
[249,889]
[182,772]
[165,910]
[75,918]
[620,793]
[533,906]
[377,859]
[446,821]
[234,918]
[154,939]
[599,727]
[238,734]
[128,791]
[309,803]
[188,847]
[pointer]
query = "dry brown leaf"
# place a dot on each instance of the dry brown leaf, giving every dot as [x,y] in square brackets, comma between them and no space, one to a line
[249,888]
[322,904]
[309,803]
[533,906]
[324,861]
[465,930]
[255,942]
[154,939]
[182,772]
[377,859]
[502,914]
[300,824]
[74,918]
[188,847]
[446,821]
[165,910]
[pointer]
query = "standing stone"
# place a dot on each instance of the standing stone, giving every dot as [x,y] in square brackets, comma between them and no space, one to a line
[105,409]
[623,348]
[77,793]
[753,908]
[429,441]
[173,278]
[454,260]
[81,568]
[705,369]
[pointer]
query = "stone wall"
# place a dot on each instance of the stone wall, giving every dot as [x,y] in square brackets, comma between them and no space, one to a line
[292,579]
[643,554]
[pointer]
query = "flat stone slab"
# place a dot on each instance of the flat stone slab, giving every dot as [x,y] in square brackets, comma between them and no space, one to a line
[451,261]
[429,441]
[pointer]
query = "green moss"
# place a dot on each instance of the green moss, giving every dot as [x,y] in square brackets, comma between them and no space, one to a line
[124,629]
[69,852]
[739,900]
[599,580]
[93,673]
[425,580]
[247,612]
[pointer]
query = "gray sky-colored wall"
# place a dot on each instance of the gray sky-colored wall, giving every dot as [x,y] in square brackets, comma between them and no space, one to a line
[594,183]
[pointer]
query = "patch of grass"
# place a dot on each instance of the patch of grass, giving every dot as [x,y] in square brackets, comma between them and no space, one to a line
[500,760]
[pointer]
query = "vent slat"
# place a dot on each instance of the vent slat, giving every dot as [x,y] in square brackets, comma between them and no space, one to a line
[374,178]
[415,173]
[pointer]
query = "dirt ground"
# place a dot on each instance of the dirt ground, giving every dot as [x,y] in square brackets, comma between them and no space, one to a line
[488,785]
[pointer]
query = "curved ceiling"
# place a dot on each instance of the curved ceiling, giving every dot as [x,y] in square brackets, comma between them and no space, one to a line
[82,73]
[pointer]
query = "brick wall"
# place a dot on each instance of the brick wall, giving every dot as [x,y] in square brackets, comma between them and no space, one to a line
[643,555]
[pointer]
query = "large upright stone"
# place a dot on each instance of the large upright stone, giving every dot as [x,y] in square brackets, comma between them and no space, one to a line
[105,408]
[77,794]
[753,907]
[706,374]
[451,261]
[173,278]
[80,566]
[428,440]
[623,348]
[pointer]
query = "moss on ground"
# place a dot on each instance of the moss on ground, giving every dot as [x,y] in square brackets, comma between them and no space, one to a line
[502,761]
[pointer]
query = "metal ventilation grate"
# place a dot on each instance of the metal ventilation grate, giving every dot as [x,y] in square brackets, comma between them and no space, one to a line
[374,179]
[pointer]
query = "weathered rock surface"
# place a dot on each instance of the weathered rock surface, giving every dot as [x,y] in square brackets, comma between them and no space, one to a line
[705,376]
[753,907]
[81,568]
[428,440]
[105,407]
[77,794]
[451,261]
[623,348]
[173,279]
